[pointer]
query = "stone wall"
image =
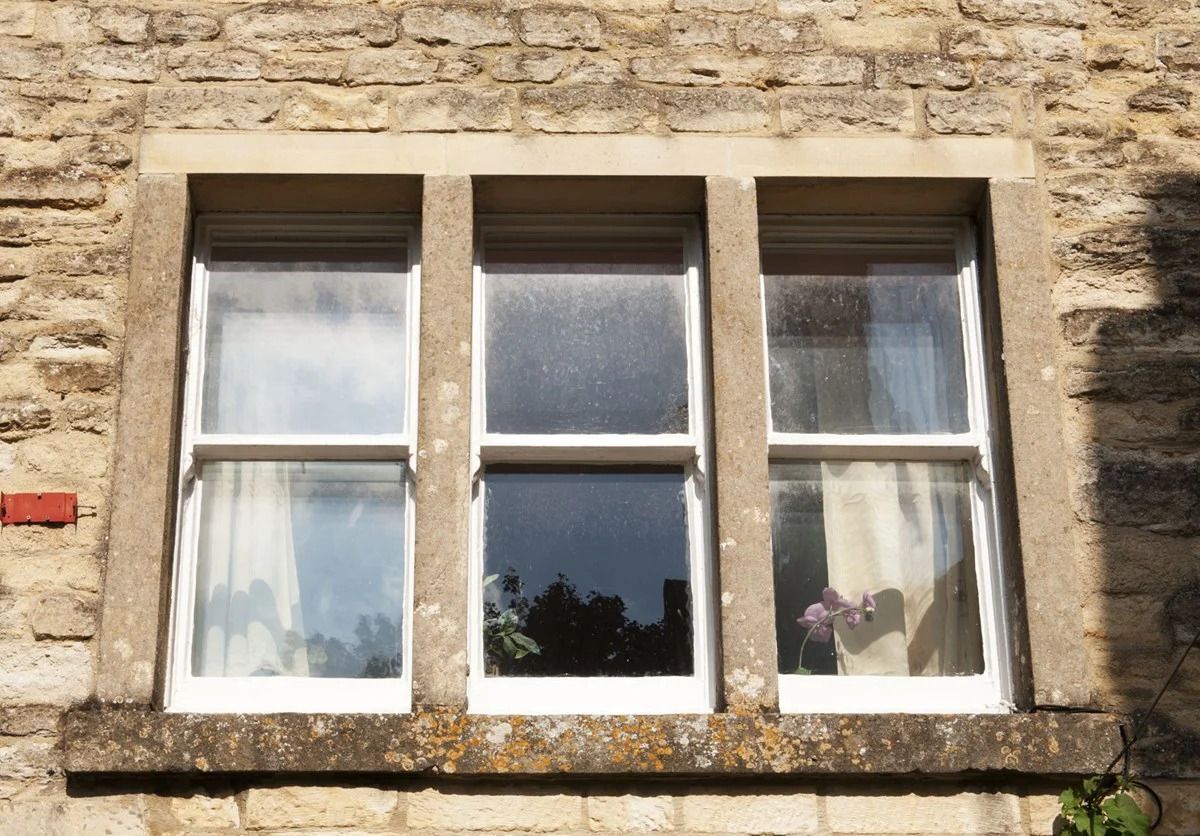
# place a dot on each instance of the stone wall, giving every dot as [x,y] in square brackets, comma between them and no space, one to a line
[1106,89]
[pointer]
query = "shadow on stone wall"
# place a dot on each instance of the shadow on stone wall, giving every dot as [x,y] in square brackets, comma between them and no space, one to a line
[1133,387]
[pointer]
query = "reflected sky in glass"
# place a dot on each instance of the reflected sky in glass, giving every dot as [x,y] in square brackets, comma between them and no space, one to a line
[586,337]
[865,340]
[595,562]
[305,339]
[300,569]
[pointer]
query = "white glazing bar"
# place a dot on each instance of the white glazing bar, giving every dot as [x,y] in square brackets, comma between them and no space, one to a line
[588,449]
[948,447]
[299,447]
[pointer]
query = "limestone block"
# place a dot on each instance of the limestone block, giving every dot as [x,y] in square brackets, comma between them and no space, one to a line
[454,109]
[20,117]
[29,63]
[973,41]
[62,188]
[23,720]
[633,813]
[829,8]
[281,807]
[234,108]
[1148,490]
[461,67]
[97,118]
[461,25]
[921,71]
[698,30]
[310,28]
[29,759]
[560,28]
[698,70]
[724,111]
[122,25]
[787,811]
[116,63]
[894,813]
[202,62]
[101,815]
[1050,44]
[18,19]
[540,67]
[176,27]
[915,8]
[1057,12]
[764,34]
[818,70]
[19,419]
[717,5]
[539,813]
[64,616]
[881,35]
[389,66]
[871,111]
[44,673]
[1161,98]
[1178,50]
[319,68]
[190,813]
[968,113]
[587,109]
[1118,54]
[67,24]
[1181,807]
[335,110]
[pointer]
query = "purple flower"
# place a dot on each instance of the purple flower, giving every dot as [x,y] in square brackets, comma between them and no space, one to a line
[816,620]
[868,606]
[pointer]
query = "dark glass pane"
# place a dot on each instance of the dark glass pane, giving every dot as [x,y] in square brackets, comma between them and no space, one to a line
[300,570]
[865,341]
[901,531]
[586,338]
[305,339]
[590,565]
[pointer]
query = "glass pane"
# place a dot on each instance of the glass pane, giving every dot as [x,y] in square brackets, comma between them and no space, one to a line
[586,338]
[586,573]
[900,531]
[305,339]
[300,570]
[865,340]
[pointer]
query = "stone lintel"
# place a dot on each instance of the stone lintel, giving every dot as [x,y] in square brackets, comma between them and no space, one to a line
[743,499]
[132,741]
[143,484]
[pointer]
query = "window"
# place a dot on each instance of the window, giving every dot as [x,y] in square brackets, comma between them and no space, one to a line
[881,475]
[293,548]
[589,578]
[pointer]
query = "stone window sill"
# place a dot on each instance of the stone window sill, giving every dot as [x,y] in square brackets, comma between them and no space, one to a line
[431,742]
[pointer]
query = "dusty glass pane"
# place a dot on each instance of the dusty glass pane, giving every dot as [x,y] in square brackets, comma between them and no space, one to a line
[900,531]
[586,338]
[865,341]
[305,339]
[300,570]
[586,572]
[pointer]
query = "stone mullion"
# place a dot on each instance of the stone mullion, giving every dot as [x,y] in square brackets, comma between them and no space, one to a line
[443,461]
[742,493]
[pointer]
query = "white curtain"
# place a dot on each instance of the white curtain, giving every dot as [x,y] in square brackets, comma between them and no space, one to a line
[901,530]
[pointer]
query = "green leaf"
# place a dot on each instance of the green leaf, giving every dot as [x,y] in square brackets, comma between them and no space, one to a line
[510,647]
[526,644]
[490,579]
[1124,812]
[803,671]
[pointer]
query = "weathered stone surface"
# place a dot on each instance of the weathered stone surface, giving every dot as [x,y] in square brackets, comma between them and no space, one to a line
[333,110]
[319,806]
[177,27]
[117,63]
[968,113]
[971,41]
[847,111]
[560,29]
[18,19]
[834,8]
[85,816]
[64,616]
[389,66]
[818,70]
[541,67]
[687,30]
[201,62]
[48,673]
[304,68]
[451,109]
[29,62]
[635,813]
[1162,98]
[1144,489]
[461,67]
[190,813]
[921,71]
[540,812]
[764,35]
[462,25]
[238,108]
[734,810]
[128,740]
[725,111]
[22,720]
[715,5]
[61,188]
[583,109]
[1179,49]
[310,27]
[1057,12]
[698,70]
[1119,54]
[877,813]
[1050,44]
[122,25]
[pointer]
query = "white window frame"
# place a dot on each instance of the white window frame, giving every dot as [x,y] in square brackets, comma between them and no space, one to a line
[185,692]
[991,691]
[600,695]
